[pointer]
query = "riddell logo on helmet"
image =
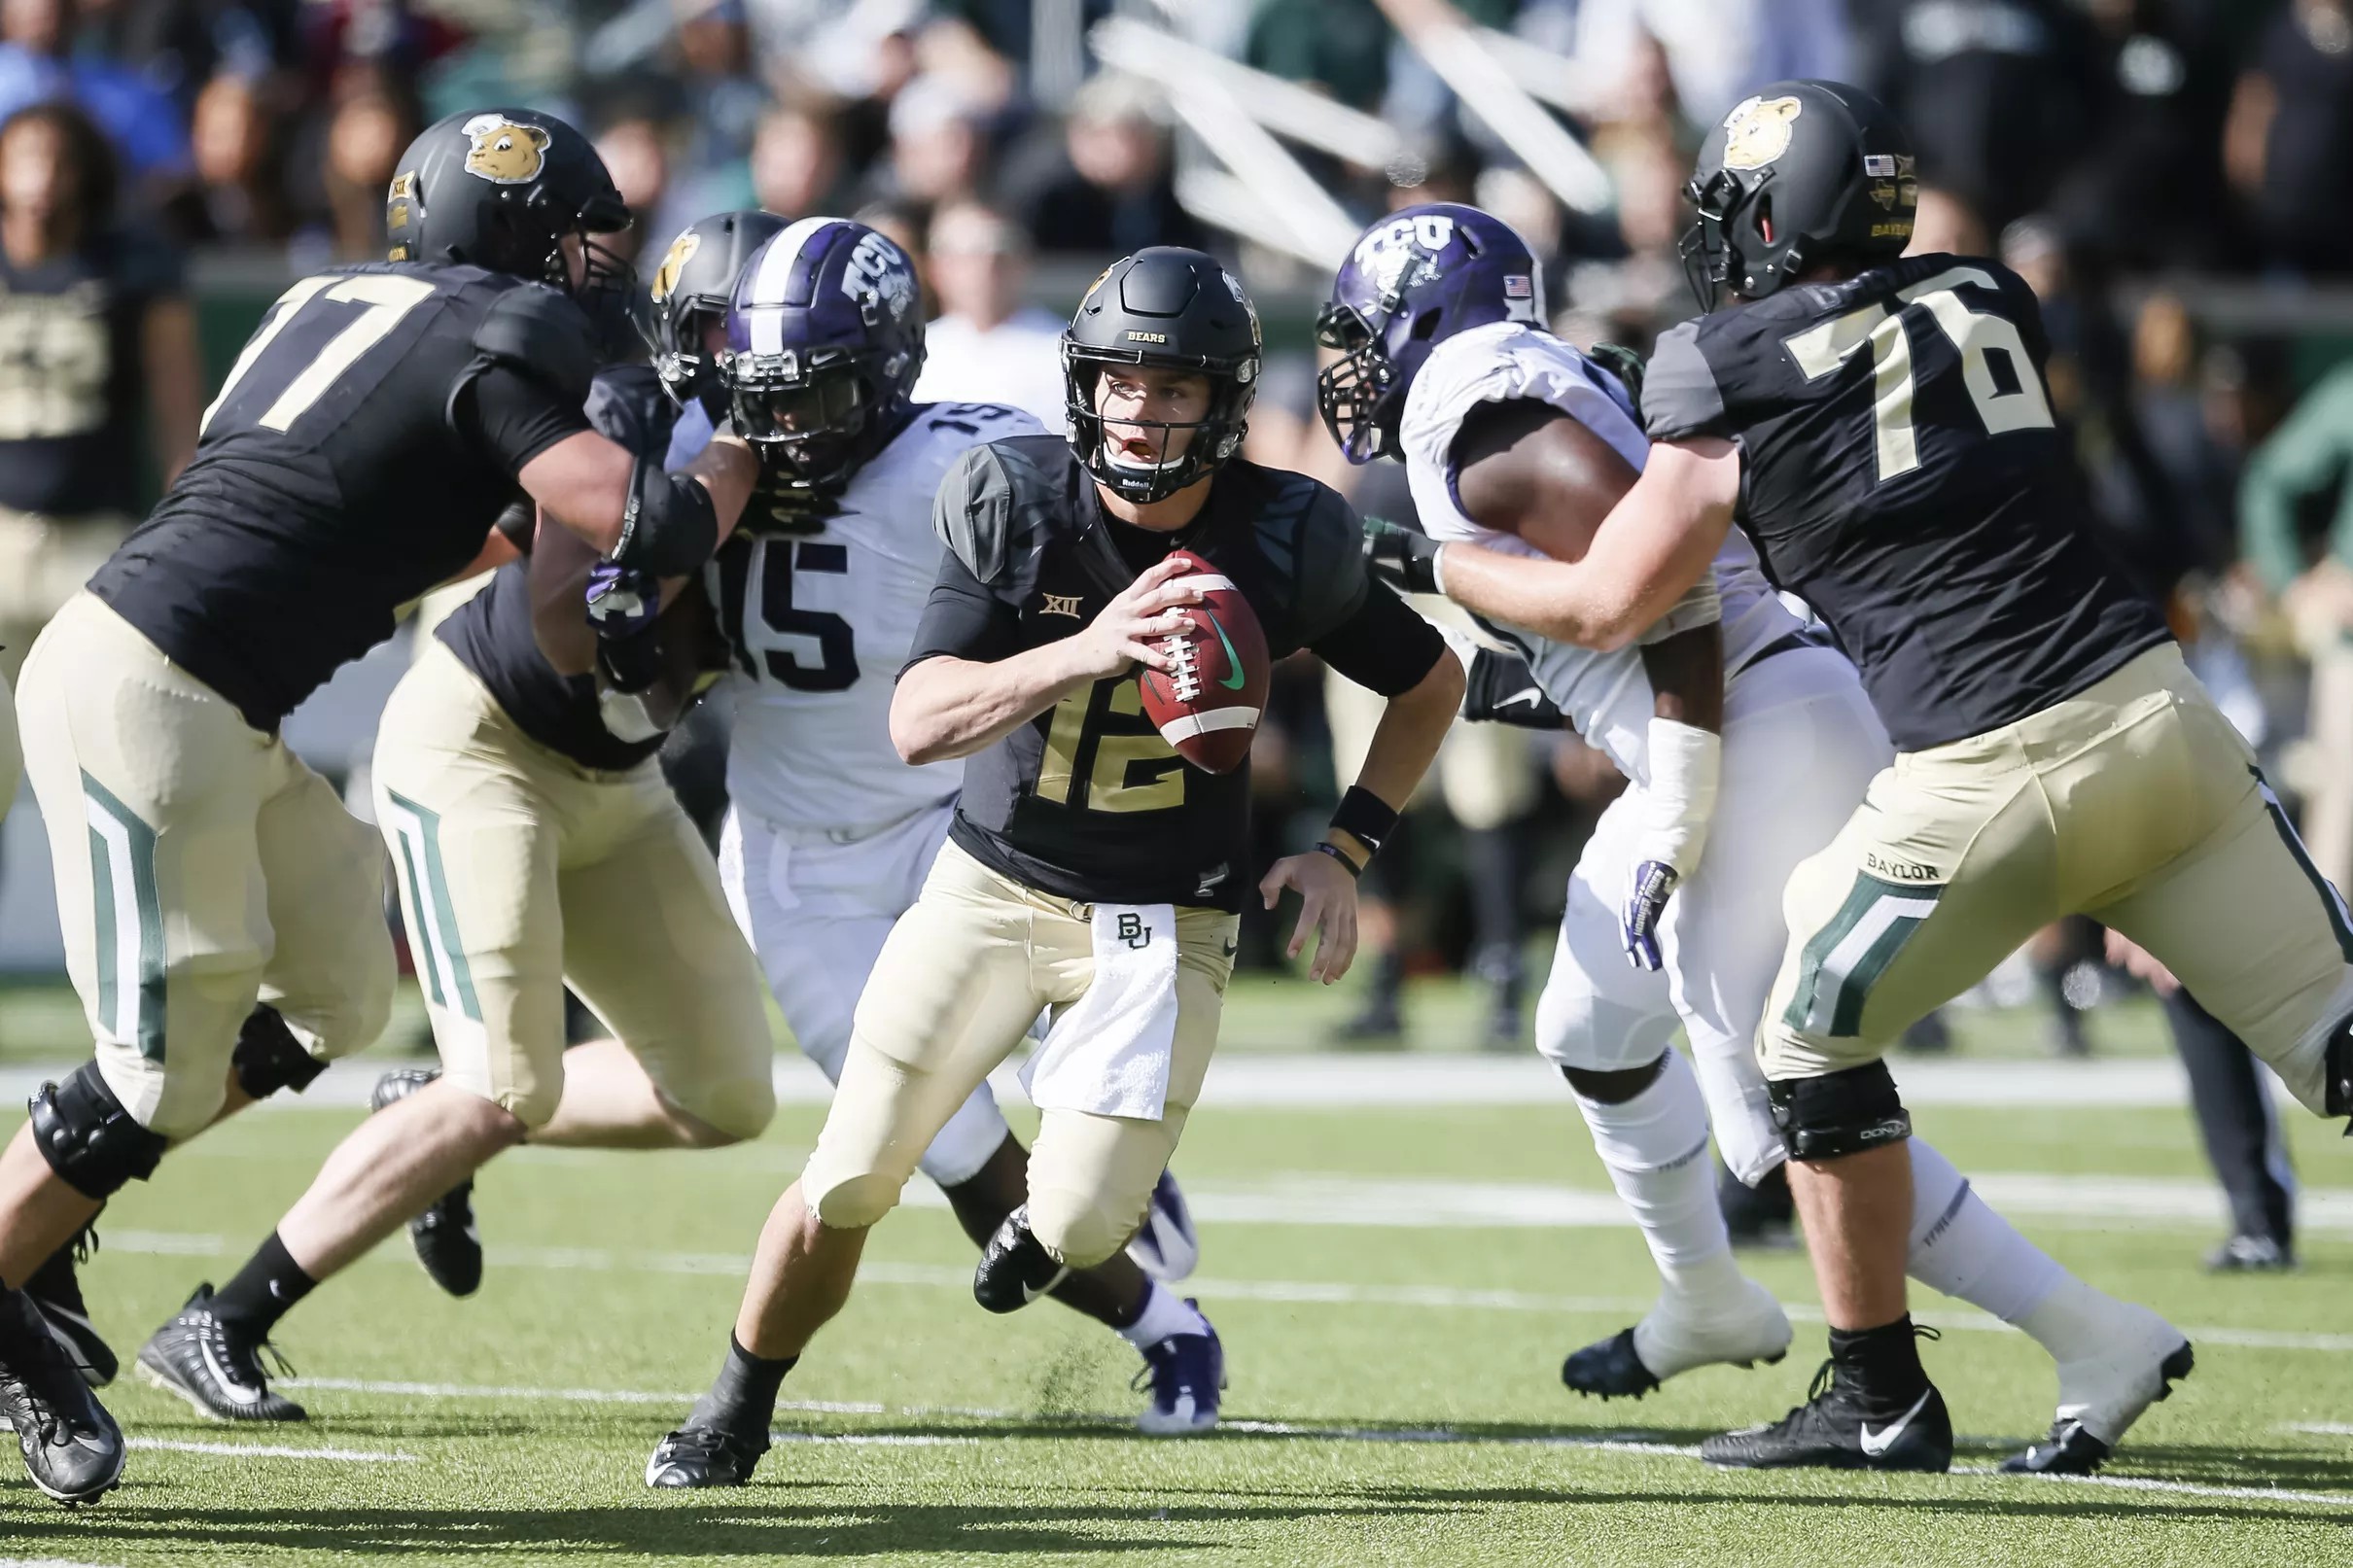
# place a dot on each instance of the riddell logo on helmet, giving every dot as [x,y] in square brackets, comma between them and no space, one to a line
[1759,131]
[505,151]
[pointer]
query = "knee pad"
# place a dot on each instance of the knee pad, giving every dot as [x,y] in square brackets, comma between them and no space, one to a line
[854,1203]
[1851,1111]
[269,1058]
[1076,1230]
[89,1141]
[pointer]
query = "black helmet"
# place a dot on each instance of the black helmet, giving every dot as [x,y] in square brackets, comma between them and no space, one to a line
[1802,172]
[1181,310]
[500,189]
[691,291]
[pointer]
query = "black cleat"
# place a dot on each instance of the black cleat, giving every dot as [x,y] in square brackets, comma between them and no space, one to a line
[704,1457]
[1608,1368]
[212,1364]
[1836,1430]
[447,1244]
[72,1449]
[1015,1269]
[55,1289]
[2337,1074]
[2070,1450]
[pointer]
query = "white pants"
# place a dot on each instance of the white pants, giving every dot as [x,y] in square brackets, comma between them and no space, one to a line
[1801,745]
[817,911]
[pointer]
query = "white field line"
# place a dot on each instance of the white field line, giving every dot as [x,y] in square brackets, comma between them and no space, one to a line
[265,1451]
[1337,1081]
[2320,1429]
[48,1562]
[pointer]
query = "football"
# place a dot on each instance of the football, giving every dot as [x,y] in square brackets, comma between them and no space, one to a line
[1208,705]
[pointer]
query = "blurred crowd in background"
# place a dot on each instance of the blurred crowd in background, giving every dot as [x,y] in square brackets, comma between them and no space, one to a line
[2174,177]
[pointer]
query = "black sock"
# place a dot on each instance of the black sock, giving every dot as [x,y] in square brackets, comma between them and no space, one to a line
[743,1396]
[263,1291]
[1881,1364]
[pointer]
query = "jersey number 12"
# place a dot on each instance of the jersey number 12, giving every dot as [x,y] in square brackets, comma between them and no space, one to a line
[1976,336]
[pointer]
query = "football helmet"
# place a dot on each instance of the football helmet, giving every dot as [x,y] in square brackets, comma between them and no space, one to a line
[502,188]
[1798,173]
[1179,309]
[824,342]
[1413,278]
[688,294]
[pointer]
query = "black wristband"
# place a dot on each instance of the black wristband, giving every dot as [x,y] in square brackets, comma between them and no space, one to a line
[1326,847]
[1365,816]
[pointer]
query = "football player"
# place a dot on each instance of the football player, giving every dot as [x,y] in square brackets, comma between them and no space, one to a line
[374,429]
[1879,428]
[828,833]
[536,847]
[1517,446]
[1088,871]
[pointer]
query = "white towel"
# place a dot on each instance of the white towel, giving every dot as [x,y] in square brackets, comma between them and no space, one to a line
[1109,1053]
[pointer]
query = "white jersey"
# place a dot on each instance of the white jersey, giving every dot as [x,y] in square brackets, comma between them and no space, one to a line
[820,625]
[1606,696]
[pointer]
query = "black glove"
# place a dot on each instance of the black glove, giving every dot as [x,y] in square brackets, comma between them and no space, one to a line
[1624,363]
[1402,557]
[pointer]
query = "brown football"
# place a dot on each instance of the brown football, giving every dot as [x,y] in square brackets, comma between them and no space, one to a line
[1208,705]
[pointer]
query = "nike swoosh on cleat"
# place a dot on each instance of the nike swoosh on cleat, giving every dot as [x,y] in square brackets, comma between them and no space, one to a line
[1877,1443]
[1028,1295]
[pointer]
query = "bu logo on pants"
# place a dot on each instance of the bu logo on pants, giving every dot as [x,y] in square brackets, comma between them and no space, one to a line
[1134,932]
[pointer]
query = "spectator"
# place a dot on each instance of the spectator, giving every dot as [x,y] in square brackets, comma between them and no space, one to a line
[938,146]
[37,64]
[1107,188]
[724,103]
[634,155]
[91,317]
[2147,187]
[988,346]
[2289,141]
[1340,45]
[797,161]
[367,132]
[240,193]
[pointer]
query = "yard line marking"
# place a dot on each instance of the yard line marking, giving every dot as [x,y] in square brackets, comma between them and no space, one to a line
[265,1450]
[878,1439]
[580,1396]
[2320,1429]
[48,1562]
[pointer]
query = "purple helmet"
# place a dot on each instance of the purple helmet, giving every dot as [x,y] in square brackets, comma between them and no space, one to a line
[825,340]
[1413,278]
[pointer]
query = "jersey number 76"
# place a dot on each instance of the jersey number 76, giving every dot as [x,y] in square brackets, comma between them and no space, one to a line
[2009,399]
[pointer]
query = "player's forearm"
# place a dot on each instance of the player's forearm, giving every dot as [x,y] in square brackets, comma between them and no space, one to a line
[1411,729]
[1687,677]
[948,708]
[1552,599]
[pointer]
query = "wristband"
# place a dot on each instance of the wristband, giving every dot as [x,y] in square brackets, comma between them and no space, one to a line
[1678,800]
[1365,816]
[1326,847]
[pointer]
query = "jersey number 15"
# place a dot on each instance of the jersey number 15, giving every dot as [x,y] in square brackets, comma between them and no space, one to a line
[1977,336]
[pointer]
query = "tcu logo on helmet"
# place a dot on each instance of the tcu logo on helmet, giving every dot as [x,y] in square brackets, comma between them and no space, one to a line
[877,276]
[1384,254]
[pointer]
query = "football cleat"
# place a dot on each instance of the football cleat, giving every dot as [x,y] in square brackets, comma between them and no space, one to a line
[1837,1429]
[1015,1268]
[72,1449]
[1167,1247]
[447,1245]
[2101,1396]
[1185,1374]
[704,1457]
[1671,1338]
[55,1289]
[2244,1254]
[215,1366]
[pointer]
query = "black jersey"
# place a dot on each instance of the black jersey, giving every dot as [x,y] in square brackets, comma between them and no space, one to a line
[1901,473]
[73,374]
[492,633]
[358,453]
[1087,801]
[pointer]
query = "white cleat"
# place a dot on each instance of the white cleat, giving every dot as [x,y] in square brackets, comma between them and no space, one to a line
[2141,1357]
[1674,1338]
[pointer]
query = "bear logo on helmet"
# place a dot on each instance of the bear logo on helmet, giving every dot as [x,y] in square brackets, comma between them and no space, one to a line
[505,151]
[1758,130]
[674,263]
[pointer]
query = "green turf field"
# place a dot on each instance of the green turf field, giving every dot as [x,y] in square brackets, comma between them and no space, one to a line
[1394,1399]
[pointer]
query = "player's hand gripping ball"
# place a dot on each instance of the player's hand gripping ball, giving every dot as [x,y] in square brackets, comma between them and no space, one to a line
[1207,702]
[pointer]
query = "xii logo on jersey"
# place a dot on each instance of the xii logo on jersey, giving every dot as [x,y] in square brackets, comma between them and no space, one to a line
[505,151]
[1063,604]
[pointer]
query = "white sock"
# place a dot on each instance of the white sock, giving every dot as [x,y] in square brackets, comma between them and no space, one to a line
[1963,1248]
[1165,1316]
[1655,1146]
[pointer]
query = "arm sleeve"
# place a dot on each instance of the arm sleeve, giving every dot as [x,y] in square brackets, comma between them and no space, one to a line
[689,437]
[964,620]
[515,418]
[1383,647]
[2301,457]
[1680,396]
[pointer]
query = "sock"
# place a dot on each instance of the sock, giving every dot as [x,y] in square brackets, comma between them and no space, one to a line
[743,1396]
[1963,1248]
[1884,1363]
[263,1291]
[1163,1316]
[1655,1146]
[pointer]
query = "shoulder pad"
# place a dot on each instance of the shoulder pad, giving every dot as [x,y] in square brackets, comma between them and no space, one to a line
[543,334]
[1680,396]
[995,497]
